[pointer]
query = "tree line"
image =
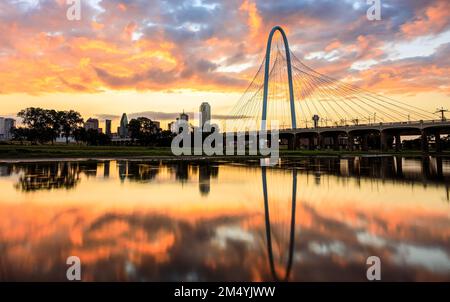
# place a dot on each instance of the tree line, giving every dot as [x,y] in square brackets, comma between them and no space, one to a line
[42,126]
[145,132]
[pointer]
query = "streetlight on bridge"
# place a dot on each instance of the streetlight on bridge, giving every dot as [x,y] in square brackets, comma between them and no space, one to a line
[442,111]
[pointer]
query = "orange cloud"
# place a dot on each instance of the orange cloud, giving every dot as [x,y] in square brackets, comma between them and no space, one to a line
[432,20]
[122,7]
[254,19]
[124,46]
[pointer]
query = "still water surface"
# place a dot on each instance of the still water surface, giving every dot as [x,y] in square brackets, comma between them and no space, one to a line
[312,219]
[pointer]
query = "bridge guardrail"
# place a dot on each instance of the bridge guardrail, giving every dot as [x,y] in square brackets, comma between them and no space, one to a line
[422,122]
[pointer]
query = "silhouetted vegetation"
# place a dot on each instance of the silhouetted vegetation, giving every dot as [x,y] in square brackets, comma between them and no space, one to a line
[91,137]
[43,125]
[47,176]
[70,122]
[146,133]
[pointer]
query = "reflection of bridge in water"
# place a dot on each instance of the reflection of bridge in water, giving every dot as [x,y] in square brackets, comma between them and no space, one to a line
[314,111]
[269,228]
[424,170]
[280,233]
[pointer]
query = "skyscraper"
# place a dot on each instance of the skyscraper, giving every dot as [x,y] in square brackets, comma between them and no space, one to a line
[2,127]
[184,117]
[205,114]
[91,123]
[10,123]
[6,125]
[108,127]
[123,128]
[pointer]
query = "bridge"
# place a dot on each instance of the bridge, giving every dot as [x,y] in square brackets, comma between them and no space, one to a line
[388,135]
[314,111]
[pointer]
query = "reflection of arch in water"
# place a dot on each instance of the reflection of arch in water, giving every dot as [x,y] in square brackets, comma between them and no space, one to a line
[268,226]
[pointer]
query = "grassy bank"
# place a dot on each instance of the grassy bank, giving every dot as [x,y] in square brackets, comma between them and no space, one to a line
[78,151]
[81,151]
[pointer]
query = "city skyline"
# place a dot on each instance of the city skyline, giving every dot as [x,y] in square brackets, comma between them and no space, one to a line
[105,122]
[113,60]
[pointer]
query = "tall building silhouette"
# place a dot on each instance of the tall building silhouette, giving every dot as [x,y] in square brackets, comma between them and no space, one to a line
[10,123]
[205,114]
[184,117]
[91,123]
[108,127]
[123,128]
[2,126]
[175,126]
[6,125]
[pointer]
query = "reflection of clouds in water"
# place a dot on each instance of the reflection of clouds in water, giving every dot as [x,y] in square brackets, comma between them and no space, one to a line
[151,246]
[137,247]
[432,258]
[366,238]
[234,233]
[213,239]
[327,248]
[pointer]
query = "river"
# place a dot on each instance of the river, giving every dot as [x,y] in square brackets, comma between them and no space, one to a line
[306,219]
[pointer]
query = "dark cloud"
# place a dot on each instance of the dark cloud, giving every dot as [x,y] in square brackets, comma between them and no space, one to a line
[201,66]
[107,116]
[154,75]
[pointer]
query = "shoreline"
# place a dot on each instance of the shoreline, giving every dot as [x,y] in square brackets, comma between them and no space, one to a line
[196,158]
[42,153]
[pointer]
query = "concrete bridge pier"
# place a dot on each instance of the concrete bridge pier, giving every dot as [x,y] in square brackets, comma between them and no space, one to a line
[424,142]
[350,142]
[365,142]
[437,139]
[298,141]
[311,143]
[383,141]
[336,142]
[320,141]
[292,142]
[398,143]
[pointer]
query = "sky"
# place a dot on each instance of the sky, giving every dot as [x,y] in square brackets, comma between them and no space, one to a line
[158,58]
